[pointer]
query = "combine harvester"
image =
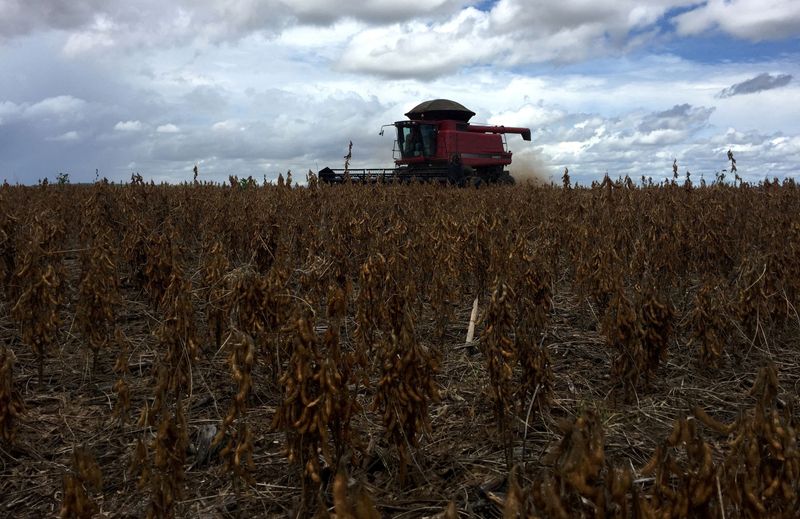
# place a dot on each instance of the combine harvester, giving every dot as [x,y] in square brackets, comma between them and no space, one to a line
[438,144]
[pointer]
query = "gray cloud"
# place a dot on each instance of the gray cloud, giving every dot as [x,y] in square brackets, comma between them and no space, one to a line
[323,12]
[757,84]
[206,99]
[442,35]
[142,23]
[262,133]
[19,17]
[679,117]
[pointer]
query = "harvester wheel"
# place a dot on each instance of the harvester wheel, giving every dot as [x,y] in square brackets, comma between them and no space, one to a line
[455,171]
[474,181]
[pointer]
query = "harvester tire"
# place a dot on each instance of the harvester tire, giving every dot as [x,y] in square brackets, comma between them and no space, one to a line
[474,181]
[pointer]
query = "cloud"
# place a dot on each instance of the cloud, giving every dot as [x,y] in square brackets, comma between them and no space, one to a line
[58,106]
[65,137]
[8,110]
[94,24]
[167,128]
[633,143]
[379,36]
[23,16]
[421,50]
[128,126]
[754,20]
[52,109]
[99,35]
[512,32]
[207,99]
[756,84]
[679,118]
[528,116]
[161,21]
[322,12]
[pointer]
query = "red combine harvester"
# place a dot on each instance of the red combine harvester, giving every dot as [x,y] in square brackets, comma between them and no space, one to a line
[438,144]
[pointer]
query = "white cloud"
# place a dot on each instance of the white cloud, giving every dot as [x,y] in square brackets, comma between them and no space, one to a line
[7,110]
[62,105]
[442,35]
[661,137]
[529,115]
[99,35]
[418,49]
[321,37]
[69,136]
[97,24]
[167,128]
[226,126]
[128,126]
[512,32]
[52,110]
[750,19]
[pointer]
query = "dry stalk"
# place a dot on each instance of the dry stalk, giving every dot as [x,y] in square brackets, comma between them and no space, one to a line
[40,277]
[214,270]
[122,406]
[98,296]
[302,414]
[406,387]
[498,347]
[85,474]
[238,449]
[11,405]
[167,478]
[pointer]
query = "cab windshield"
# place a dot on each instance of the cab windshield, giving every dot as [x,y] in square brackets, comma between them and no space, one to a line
[416,140]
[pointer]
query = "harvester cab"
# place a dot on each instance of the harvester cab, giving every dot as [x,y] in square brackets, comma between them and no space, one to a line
[437,143]
[415,139]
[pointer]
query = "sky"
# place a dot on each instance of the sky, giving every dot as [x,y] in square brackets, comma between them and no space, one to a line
[97,88]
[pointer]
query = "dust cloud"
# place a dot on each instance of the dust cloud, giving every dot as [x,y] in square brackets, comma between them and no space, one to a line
[528,167]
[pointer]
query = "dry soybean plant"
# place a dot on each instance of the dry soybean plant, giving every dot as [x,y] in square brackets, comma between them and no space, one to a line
[762,469]
[11,406]
[378,281]
[352,504]
[708,321]
[238,449]
[685,474]
[214,270]
[122,406]
[406,386]
[656,316]
[498,347]
[336,374]
[302,415]
[166,477]
[39,275]
[85,473]
[99,294]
